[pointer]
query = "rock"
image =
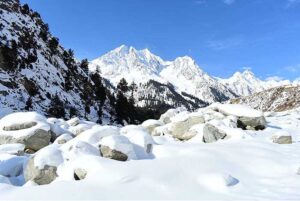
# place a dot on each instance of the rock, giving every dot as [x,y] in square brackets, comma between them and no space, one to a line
[78,129]
[151,124]
[283,140]
[248,118]
[140,138]
[74,121]
[29,151]
[28,128]
[63,138]
[166,117]
[42,167]
[73,149]
[80,174]
[107,152]
[161,130]
[40,176]
[298,172]
[11,165]
[179,127]
[212,133]
[117,147]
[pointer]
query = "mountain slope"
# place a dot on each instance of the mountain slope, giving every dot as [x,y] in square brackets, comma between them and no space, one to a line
[35,69]
[276,99]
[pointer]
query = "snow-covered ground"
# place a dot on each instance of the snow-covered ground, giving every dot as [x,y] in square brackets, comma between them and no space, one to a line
[249,167]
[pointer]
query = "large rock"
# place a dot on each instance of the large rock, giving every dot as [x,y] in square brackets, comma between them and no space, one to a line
[151,124]
[212,133]
[28,128]
[42,168]
[140,138]
[117,147]
[248,118]
[108,152]
[179,127]
[166,117]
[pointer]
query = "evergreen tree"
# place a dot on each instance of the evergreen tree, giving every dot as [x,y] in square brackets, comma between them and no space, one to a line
[28,104]
[57,108]
[84,65]
[99,88]
[123,86]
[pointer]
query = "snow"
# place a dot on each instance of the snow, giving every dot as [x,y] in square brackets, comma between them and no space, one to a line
[21,118]
[11,165]
[48,156]
[236,110]
[247,166]
[119,143]
[12,148]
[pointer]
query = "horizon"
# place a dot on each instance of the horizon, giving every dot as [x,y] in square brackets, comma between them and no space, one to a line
[222,36]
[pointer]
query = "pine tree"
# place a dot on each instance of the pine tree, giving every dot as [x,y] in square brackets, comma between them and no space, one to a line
[57,108]
[84,65]
[123,86]
[28,104]
[99,88]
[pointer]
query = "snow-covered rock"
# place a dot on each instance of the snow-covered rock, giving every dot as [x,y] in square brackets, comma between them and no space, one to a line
[117,147]
[140,138]
[151,124]
[75,149]
[42,167]
[28,128]
[182,123]
[62,139]
[212,133]
[248,118]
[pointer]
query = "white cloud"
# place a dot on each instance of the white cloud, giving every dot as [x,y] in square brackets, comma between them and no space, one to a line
[228,2]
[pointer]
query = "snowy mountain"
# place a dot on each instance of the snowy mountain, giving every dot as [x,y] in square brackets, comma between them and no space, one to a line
[141,66]
[246,83]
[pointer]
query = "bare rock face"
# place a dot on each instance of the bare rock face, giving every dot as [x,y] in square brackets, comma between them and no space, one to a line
[107,152]
[212,133]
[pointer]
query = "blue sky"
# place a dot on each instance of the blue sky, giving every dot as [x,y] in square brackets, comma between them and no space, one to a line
[223,36]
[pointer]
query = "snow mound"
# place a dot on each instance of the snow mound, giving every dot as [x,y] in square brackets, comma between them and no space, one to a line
[50,155]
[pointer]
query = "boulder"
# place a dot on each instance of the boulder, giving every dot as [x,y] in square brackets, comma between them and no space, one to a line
[140,138]
[166,117]
[62,139]
[42,167]
[80,174]
[212,133]
[248,118]
[73,149]
[283,140]
[117,147]
[151,124]
[108,152]
[28,128]
[80,128]
[179,127]
[74,121]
